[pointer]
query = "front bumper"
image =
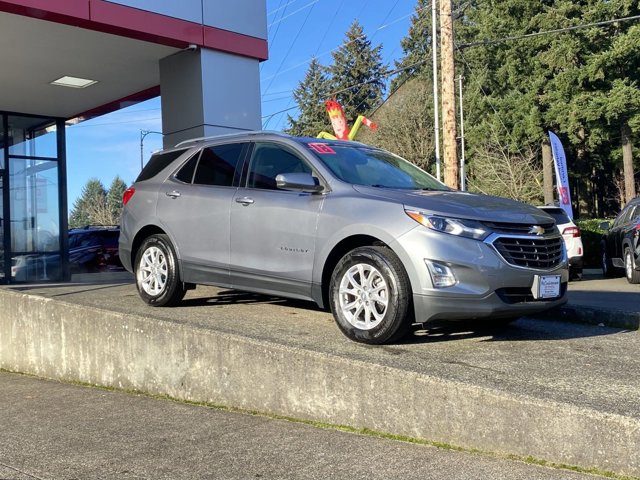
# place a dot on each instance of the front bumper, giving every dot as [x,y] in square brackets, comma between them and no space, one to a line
[487,286]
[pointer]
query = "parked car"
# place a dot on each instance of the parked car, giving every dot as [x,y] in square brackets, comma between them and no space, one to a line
[620,246]
[349,226]
[572,239]
[93,248]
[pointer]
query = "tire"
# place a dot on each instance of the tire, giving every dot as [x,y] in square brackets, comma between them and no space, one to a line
[607,267]
[633,275]
[156,269]
[370,296]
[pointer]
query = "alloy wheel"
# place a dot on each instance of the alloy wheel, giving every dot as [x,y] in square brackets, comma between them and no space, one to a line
[153,270]
[364,296]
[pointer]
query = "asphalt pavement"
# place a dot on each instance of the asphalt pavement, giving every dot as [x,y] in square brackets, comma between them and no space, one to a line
[51,430]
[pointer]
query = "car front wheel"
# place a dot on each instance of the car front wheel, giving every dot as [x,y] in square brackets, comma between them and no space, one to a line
[157,277]
[371,297]
[633,276]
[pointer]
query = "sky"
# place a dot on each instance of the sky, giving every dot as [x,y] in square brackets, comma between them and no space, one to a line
[109,145]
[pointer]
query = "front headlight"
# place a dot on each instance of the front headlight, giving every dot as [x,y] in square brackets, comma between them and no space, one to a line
[453,226]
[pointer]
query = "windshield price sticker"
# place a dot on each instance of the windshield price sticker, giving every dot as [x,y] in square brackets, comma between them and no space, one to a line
[549,286]
[322,148]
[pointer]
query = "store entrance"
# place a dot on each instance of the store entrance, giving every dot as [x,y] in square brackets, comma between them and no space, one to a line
[33,227]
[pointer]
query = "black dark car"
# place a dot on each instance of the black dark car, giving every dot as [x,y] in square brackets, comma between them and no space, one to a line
[93,248]
[620,245]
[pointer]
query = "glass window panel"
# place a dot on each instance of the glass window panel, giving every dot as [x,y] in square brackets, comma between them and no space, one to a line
[2,275]
[32,136]
[36,267]
[34,206]
[218,164]
[269,161]
[2,141]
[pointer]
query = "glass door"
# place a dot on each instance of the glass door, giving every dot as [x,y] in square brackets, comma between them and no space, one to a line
[4,275]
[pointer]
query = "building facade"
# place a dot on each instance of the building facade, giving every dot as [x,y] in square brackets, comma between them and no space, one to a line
[65,61]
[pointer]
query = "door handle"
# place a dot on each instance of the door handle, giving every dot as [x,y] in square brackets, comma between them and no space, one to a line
[173,194]
[244,201]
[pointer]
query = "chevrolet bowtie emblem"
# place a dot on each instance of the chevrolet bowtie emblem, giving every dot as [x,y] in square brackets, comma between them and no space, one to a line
[537,230]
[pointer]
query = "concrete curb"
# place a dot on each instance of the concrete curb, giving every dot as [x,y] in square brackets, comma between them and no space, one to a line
[594,316]
[65,341]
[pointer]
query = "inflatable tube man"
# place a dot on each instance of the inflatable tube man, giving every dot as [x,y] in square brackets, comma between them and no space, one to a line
[339,123]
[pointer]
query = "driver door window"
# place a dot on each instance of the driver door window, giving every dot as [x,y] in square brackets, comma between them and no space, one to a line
[268,161]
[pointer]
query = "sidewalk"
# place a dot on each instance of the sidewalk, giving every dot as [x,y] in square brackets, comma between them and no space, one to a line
[51,430]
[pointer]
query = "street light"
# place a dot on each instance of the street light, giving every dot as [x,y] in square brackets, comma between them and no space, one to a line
[144,133]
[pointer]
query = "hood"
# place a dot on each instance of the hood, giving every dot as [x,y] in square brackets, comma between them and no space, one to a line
[462,205]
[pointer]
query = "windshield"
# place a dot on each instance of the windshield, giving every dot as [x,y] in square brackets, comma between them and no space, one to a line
[365,165]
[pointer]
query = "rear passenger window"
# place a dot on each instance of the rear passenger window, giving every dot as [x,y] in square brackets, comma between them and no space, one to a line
[186,172]
[218,164]
[157,163]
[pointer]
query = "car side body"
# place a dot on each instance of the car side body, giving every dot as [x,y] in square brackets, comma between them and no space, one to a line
[620,245]
[285,231]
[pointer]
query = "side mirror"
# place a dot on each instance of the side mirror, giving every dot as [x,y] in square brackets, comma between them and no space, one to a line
[298,182]
[605,226]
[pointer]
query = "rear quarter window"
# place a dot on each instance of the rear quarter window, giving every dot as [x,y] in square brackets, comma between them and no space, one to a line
[157,163]
[558,215]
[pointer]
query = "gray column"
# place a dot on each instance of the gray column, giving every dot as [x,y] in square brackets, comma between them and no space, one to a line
[205,92]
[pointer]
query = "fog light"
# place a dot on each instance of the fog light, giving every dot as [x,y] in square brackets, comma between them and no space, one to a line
[441,275]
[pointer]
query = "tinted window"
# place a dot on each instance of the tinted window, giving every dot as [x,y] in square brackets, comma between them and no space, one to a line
[624,216]
[157,163]
[186,172]
[270,160]
[558,215]
[218,164]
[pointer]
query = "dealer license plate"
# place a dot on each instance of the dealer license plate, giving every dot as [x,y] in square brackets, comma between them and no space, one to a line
[548,286]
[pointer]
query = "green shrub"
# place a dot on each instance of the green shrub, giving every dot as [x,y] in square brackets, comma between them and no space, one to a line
[591,237]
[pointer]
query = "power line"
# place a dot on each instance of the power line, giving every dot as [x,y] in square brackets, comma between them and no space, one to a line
[280,7]
[311,4]
[115,123]
[293,42]
[306,62]
[476,44]
[548,32]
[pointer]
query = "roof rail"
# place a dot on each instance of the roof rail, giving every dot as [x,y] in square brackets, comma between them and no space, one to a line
[230,135]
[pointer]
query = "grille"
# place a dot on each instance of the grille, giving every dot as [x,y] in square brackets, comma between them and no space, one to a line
[517,228]
[513,295]
[540,253]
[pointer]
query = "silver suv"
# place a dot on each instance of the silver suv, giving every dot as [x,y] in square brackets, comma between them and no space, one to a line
[349,226]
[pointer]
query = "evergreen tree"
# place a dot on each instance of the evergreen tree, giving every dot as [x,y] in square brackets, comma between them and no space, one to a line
[416,47]
[357,73]
[310,96]
[93,194]
[98,206]
[114,199]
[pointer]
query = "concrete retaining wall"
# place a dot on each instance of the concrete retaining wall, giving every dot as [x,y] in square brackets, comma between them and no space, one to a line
[64,341]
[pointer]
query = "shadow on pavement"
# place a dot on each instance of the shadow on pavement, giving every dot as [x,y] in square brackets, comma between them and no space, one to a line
[523,329]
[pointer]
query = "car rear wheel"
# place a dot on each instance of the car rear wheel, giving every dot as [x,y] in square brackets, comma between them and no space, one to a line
[633,275]
[157,277]
[371,296]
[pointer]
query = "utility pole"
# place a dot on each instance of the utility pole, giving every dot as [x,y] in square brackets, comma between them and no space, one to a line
[449,144]
[434,50]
